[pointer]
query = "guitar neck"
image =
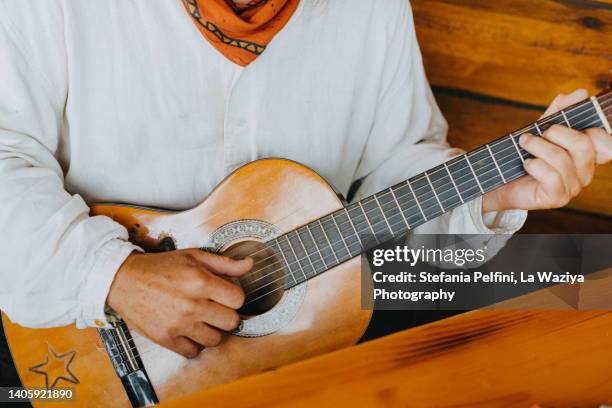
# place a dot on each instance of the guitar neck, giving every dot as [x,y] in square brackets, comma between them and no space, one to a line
[316,247]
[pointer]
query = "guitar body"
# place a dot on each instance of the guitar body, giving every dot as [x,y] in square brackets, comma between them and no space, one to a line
[257,202]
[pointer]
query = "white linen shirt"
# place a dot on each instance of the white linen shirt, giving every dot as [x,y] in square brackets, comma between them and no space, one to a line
[125,101]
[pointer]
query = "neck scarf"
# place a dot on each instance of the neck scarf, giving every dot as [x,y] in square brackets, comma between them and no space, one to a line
[241,32]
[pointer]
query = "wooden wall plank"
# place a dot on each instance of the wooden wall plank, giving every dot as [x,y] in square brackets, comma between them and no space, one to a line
[521,50]
[476,120]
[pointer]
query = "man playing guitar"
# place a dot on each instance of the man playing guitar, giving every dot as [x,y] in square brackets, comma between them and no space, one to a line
[153,103]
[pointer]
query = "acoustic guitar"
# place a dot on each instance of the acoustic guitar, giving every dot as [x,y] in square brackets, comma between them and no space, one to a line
[303,295]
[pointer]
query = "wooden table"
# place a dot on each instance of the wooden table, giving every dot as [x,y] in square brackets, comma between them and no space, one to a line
[482,358]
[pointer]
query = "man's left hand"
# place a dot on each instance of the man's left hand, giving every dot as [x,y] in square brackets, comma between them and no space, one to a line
[564,164]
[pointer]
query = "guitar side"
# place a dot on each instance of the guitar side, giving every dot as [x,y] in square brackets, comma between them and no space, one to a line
[278,193]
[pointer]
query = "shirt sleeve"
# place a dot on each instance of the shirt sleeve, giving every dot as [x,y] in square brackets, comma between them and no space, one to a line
[56,262]
[409,137]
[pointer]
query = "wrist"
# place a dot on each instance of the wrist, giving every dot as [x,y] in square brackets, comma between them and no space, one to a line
[93,295]
[117,290]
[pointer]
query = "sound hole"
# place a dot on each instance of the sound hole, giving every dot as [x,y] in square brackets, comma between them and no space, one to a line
[264,285]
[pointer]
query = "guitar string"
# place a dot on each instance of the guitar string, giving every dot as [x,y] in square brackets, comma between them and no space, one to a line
[145,350]
[491,167]
[479,150]
[384,238]
[435,206]
[542,121]
[526,129]
[309,254]
[604,108]
[384,220]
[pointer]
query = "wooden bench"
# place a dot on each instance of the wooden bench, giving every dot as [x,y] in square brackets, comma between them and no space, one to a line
[482,358]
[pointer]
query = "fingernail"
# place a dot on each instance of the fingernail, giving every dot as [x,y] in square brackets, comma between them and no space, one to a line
[523,139]
[527,162]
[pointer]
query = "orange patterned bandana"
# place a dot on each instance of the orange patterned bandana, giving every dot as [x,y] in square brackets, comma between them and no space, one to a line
[241,32]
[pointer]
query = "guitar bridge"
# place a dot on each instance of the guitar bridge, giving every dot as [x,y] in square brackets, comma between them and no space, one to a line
[125,358]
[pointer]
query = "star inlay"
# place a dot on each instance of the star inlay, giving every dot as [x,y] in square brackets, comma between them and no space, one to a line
[56,367]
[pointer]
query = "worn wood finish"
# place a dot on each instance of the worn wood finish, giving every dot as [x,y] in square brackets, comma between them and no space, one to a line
[281,192]
[475,120]
[526,51]
[91,366]
[482,358]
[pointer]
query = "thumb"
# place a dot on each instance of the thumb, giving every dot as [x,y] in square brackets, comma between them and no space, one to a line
[223,265]
[562,101]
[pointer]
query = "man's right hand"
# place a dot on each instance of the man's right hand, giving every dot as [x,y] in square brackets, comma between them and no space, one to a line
[178,299]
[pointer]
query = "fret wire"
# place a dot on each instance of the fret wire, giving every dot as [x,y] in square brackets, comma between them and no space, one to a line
[305,251]
[368,221]
[450,176]
[602,117]
[537,127]
[344,224]
[328,241]
[496,164]
[434,192]
[565,118]
[395,215]
[316,246]
[296,257]
[464,183]
[348,215]
[356,223]
[399,207]
[489,171]
[375,216]
[518,150]
[285,259]
[335,236]
[383,214]
[519,174]
[341,234]
[416,200]
[512,138]
[474,173]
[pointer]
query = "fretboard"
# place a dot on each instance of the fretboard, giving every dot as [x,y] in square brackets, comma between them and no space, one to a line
[329,241]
